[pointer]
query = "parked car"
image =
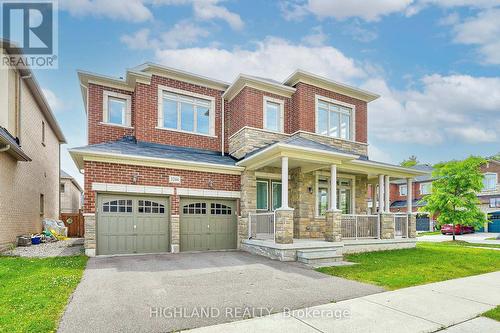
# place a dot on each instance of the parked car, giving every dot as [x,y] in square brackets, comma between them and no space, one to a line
[459,229]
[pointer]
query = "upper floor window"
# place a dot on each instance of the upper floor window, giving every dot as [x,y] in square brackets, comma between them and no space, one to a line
[403,190]
[273,114]
[117,109]
[187,112]
[425,188]
[334,118]
[490,181]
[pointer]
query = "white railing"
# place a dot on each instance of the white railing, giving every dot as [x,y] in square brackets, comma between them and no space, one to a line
[261,225]
[360,226]
[401,225]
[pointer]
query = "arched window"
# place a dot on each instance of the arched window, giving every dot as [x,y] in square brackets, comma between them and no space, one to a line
[150,207]
[219,209]
[195,208]
[117,206]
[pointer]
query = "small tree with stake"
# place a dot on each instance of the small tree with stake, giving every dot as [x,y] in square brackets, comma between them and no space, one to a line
[454,193]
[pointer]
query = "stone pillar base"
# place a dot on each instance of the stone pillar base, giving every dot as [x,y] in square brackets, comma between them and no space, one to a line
[386,225]
[90,244]
[283,226]
[174,234]
[412,225]
[333,227]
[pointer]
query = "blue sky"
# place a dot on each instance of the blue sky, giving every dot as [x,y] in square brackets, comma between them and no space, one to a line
[436,63]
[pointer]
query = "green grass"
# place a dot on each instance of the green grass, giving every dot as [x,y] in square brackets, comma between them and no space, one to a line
[463,243]
[492,238]
[428,233]
[428,262]
[493,313]
[34,292]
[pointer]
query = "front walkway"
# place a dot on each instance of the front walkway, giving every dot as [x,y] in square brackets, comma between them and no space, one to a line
[426,308]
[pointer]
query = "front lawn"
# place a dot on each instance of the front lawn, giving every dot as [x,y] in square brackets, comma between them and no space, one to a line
[493,313]
[428,233]
[34,292]
[429,262]
[464,243]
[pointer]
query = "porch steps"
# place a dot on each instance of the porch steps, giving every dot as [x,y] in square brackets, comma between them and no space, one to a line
[319,256]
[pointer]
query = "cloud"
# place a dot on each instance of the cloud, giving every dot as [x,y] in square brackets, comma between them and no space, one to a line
[273,57]
[482,30]
[56,104]
[130,10]
[357,32]
[377,154]
[209,9]
[316,38]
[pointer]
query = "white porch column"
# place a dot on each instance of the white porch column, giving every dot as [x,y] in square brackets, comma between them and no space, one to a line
[409,195]
[333,187]
[284,182]
[387,192]
[381,193]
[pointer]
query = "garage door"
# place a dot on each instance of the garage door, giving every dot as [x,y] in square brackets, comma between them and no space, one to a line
[423,222]
[207,224]
[494,218]
[127,224]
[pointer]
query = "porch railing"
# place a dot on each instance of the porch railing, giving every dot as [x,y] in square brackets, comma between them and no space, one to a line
[360,226]
[261,225]
[401,225]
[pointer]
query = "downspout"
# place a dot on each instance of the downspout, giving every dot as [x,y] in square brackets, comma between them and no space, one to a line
[7,147]
[222,125]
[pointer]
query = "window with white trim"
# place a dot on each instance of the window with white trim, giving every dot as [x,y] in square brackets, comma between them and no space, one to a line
[490,181]
[273,114]
[403,190]
[117,109]
[333,119]
[262,195]
[186,113]
[425,188]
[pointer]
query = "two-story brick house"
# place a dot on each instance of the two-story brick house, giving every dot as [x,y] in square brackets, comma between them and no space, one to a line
[181,162]
[489,197]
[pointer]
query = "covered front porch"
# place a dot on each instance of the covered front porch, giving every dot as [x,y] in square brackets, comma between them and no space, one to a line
[303,190]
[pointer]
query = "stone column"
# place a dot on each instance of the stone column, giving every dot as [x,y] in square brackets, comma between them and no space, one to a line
[412,225]
[90,244]
[248,202]
[333,232]
[174,233]
[283,226]
[386,225]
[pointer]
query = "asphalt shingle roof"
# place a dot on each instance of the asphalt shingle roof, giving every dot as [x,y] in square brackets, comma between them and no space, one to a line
[423,178]
[129,146]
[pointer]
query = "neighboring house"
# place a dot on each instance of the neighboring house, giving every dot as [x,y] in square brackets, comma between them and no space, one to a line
[490,196]
[71,194]
[180,162]
[30,140]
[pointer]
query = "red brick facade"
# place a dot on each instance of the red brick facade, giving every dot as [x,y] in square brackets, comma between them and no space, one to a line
[100,172]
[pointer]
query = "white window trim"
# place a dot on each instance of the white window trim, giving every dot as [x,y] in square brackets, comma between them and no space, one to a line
[422,185]
[128,108]
[281,104]
[267,192]
[162,89]
[400,190]
[352,125]
[496,181]
[339,175]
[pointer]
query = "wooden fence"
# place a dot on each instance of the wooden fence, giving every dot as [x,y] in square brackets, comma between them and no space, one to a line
[75,224]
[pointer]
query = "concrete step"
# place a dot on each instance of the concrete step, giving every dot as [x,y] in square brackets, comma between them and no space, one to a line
[317,256]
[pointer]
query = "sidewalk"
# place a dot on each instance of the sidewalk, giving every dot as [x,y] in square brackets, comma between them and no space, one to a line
[426,308]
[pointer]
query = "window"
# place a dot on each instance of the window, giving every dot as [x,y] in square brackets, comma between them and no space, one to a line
[219,209]
[43,133]
[425,188]
[61,188]
[403,190]
[196,208]
[42,204]
[323,190]
[262,195]
[117,206]
[116,108]
[188,113]
[273,114]
[333,119]
[490,181]
[495,203]
[344,195]
[150,207]
[276,195]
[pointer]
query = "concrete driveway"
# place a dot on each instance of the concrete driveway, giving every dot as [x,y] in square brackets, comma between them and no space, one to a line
[477,237]
[165,292]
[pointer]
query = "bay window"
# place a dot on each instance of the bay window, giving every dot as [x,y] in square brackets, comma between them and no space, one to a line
[333,118]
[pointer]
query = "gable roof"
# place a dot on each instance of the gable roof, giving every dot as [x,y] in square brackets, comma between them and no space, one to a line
[65,175]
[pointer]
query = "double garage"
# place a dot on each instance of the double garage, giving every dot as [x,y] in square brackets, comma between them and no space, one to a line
[141,224]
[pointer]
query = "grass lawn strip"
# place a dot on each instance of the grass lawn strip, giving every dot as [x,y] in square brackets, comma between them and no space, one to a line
[428,233]
[427,263]
[493,313]
[34,292]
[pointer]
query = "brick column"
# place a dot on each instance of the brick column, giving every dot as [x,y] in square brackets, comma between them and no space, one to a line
[90,244]
[174,233]
[333,232]
[283,226]
[412,225]
[248,202]
[386,226]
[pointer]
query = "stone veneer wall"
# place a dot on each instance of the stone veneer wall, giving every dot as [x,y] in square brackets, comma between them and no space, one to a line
[345,145]
[248,202]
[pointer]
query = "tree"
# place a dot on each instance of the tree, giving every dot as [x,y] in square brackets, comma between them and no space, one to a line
[411,161]
[454,193]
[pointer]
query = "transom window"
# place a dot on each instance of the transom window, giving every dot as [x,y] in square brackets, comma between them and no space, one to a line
[333,119]
[490,181]
[116,108]
[150,207]
[186,113]
[196,208]
[273,114]
[403,190]
[117,206]
[219,209]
